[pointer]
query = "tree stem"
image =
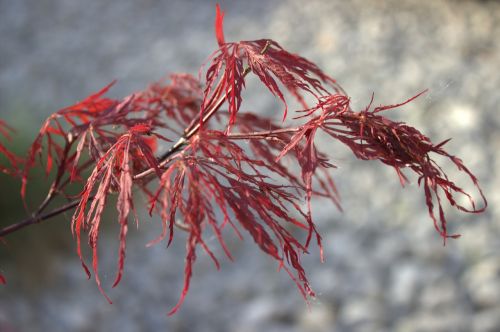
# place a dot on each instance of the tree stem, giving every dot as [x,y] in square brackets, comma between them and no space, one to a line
[268,134]
[36,219]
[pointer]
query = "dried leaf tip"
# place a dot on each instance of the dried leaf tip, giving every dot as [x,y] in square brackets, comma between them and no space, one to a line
[219,25]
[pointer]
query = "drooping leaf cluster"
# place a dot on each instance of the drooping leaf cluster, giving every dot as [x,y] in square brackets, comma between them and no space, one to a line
[209,169]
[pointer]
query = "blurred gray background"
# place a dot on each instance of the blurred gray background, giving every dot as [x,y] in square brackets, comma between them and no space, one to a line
[385,269]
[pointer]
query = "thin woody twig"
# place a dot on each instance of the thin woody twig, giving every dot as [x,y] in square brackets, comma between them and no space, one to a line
[35,220]
[268,134]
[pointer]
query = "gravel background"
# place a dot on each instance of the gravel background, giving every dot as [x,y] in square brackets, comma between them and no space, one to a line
[386,268]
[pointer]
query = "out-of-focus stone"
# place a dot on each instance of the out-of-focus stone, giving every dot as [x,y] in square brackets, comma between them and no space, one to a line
[321,317]
[487,320]
[404,282]
[435,322]
[483,282]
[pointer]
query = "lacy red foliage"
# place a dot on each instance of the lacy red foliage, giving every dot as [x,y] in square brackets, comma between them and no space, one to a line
[226,168]
[372,136]
[113,173]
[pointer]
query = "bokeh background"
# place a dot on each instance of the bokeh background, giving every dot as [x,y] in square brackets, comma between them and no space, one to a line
[386,269]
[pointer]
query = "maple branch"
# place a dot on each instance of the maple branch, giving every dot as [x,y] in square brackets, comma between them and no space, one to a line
[60,173]
[207,174]
[189,132]
[268,134]
[196,123]
[53,192]
[169,157]
[37,219]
